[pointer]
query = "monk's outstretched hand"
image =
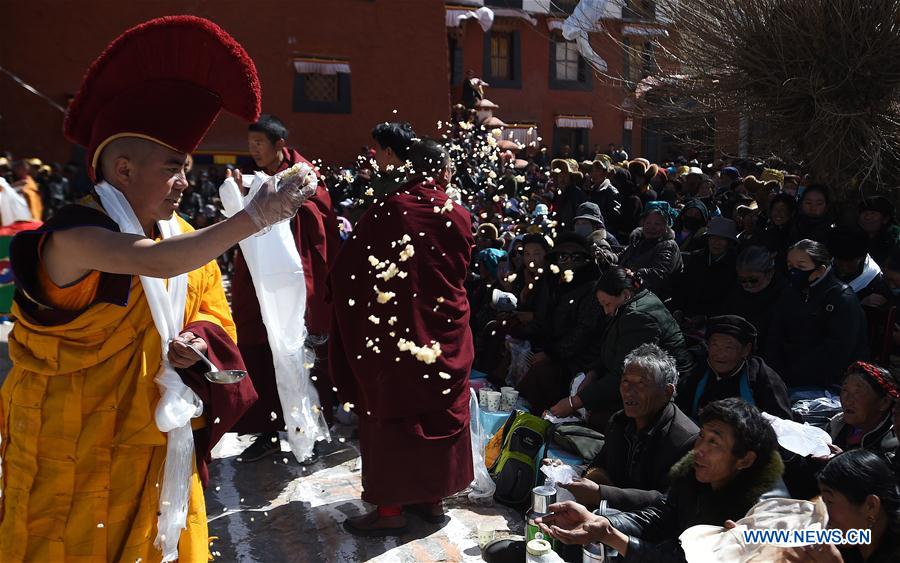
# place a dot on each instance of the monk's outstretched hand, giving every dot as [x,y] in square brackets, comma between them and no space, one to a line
[180,354]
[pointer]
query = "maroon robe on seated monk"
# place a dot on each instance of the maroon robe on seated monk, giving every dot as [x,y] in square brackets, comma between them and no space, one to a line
[316,234]
[413,430]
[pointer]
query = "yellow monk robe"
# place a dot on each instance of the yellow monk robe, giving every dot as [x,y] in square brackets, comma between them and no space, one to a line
[82,457]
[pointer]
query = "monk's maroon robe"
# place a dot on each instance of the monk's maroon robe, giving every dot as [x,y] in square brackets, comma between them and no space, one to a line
[413,416]
[316,233]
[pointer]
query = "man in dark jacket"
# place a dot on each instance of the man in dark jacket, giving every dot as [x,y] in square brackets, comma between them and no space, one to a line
[709,273]
[643,440]
[603,193]
[733,465]
[569,196]
[567,324]
[729,369]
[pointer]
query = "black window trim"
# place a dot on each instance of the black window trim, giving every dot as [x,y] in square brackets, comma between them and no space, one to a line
[586,85]
[515,53]
[342,105]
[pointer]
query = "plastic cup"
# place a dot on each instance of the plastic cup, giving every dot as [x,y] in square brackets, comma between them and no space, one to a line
[493,400]
[486,534]
[482,397]
[509,397]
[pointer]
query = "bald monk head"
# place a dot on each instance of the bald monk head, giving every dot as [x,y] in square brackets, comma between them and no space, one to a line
[151,176]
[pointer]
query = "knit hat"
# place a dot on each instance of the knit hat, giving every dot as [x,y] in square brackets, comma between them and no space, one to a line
[732,325]
[722,227]
[590,211]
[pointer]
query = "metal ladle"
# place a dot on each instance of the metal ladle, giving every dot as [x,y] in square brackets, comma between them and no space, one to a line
[216,375]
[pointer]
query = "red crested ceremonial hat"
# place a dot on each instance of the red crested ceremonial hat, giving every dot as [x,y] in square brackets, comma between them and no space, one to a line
[164,80]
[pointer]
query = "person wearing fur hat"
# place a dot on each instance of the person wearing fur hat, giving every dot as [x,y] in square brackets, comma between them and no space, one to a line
[652,253]
[708,275]
[106,440]
[734,464]
[729,368]
[877,218]
[642,172]
[567,177]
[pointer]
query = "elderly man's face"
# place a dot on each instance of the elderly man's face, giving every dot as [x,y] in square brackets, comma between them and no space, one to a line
[726,353]
[643,398]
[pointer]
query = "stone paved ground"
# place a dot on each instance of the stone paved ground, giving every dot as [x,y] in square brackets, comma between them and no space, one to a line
[275,511]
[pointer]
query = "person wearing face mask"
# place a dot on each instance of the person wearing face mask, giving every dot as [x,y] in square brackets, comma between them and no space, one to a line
[758,289]
[814,219]
[819,327]
[635,316]
[690,226]
[653,255]
[589,219]
[566,329]
[729,368]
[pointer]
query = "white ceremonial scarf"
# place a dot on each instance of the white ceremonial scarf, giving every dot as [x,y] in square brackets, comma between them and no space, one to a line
[280,285]
[178,404]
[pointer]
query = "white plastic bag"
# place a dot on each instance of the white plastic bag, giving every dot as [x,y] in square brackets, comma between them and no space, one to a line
[280,285]
[802,439]
[482,487]
[520,352]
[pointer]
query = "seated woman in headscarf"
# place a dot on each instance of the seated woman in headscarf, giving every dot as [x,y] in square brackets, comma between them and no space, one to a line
[860,493]
[734,464]
[652,253]
[730,369]
[868,393]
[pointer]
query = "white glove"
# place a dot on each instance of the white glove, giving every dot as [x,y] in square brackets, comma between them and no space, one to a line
[277,201]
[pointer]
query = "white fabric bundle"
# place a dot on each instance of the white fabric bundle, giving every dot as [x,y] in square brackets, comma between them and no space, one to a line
[13,205]
[277,273]
[178,404]
[714,544]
